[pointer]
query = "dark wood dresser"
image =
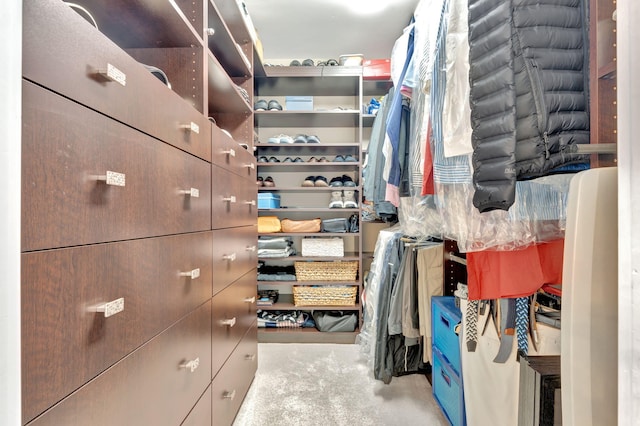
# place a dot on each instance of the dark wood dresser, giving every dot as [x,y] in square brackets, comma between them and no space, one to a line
[138,216]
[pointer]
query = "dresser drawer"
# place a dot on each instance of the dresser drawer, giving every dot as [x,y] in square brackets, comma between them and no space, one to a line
[61,290]
[231,384]
[155,385]
[234,201]
[234,311]
[229,155]
[63,52]
[201,413]
[67,149]
[234,254]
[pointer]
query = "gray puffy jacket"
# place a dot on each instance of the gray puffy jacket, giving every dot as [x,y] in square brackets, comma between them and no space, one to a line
[529,92]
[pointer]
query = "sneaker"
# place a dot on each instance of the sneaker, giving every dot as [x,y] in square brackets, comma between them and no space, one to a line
[336,182]
[274,139]
[309,181]
[347,181]
[294,63]
[261,105]
[313,139]
[350,200]
[336,200]
[274,105]
[308,63]
[350,159]
[286,139]
[268,181]
[338,159]
[320,181]
[300,139]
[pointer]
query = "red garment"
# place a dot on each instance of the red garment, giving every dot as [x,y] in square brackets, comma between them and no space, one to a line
[427,177]
[506,274]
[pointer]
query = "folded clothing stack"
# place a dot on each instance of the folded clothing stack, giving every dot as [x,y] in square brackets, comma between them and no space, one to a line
[284,319]
[274,247]
[276,273]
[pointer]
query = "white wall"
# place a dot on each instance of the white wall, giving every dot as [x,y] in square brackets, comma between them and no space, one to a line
[10,118]
[629,212]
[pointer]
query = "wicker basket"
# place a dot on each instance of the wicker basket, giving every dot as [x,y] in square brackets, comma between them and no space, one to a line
[324,296]
[326,271]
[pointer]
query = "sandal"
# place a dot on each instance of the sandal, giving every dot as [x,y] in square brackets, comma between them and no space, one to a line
[268,181]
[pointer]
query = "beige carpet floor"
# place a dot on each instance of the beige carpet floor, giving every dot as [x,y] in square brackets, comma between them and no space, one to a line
[331,384]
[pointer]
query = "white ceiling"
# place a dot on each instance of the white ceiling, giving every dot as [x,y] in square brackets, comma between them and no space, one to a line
[326,29]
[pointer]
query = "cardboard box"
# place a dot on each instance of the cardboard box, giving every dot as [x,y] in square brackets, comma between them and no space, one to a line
[299,103]
[376,69]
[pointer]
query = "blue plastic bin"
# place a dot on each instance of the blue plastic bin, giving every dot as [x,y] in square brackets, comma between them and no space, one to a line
[267,200]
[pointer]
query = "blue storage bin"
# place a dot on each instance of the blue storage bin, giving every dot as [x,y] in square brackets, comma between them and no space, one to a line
[447,390]
[445,317]
[267,200]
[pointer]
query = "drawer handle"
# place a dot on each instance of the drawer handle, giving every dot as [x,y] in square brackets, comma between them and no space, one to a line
[250,299]
[191,127]
[250,357]
[112,178]
[210,31]
[251,248]
[229,395]
[109,308]
[114,74]
[230,152]
[230,199]
[250,166]
[230,257]
[230,322]
[250,203]
[191,365]
[191,192]
[193,274]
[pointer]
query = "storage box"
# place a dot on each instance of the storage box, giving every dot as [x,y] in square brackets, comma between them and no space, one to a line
[376,69]
[326,271]
[324,295]
[445,318]
[447,390]
[267,200]
[323,247]
[299,103]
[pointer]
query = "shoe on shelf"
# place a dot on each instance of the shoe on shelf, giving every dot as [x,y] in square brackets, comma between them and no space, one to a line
[350,159]
[263,159]
[274,139]
[308,63]
[261,105]
[309,181]
[298,160]
[350,199]
[312,160]
[322,160]
[348,182]
[320,181]
[274,105]
[286,139]
[313,139]
[338,159]
[294,63]
[336,200]
[300,139]
[273,160]
[288,160]
[336,182]
[268,181]
[260,181]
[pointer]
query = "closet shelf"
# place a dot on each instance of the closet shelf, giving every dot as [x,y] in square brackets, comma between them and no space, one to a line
[307,118]
[312,148]
[307,166]
[307,189]
[304,335]
[310,234]
[290,306]
[224,47]
[313,283]
[145,23]
[312,209]
[224,96]
[347,256]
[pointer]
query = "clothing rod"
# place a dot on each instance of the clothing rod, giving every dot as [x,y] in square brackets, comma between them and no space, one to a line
[456,259]
[595,148]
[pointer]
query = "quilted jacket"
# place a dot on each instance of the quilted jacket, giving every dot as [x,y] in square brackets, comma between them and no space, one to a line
[529,92]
